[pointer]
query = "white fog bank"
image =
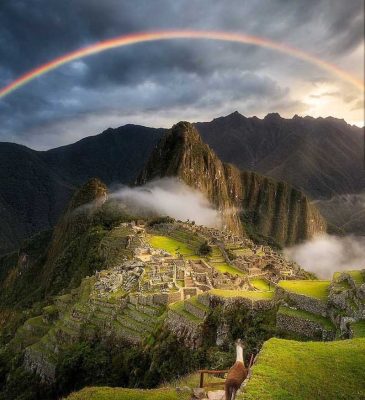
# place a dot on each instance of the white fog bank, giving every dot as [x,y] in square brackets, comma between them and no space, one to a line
[169,196]
[327,254]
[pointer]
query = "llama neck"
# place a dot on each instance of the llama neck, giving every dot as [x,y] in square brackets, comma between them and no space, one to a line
[239,352]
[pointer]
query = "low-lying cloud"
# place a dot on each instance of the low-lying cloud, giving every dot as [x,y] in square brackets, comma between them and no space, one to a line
[327,254]
[169,197]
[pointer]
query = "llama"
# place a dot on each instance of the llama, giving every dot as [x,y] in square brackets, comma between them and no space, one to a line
[237,374]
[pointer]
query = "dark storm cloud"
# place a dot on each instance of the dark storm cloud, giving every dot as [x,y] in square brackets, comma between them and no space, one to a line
[198,74]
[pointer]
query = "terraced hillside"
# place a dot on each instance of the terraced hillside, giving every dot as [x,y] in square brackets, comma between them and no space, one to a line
[161,298]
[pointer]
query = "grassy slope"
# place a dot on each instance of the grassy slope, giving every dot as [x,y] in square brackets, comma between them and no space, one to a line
[172,245]
[316,289]
[241,293]
[106,393]
[163,393]
[290,370]
[358,329]
[178,307]
[357,275]
[260,284]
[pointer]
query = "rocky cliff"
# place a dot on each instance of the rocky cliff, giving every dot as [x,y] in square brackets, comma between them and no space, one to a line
[250,204]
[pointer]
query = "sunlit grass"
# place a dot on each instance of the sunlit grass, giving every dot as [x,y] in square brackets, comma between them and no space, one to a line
[224,267]
[107,393]
[357,275]
[242,293]
[260,284]
[358,329]
[316,289]
[288,370]
[172,246]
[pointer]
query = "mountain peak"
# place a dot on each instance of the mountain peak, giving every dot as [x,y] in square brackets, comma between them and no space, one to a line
[182,153]
[272,116]
[185,131]
[93,190]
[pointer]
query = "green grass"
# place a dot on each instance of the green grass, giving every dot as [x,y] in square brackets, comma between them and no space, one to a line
[217,261]
[260,284]
[171,245]
[291,370]
[162,393]
[193,381]
[224,267]
[252,295]
[316,289]
[106,393]
[118,294]
[178,307]
[195,302]
[357,275]
[326,323]
[359,329]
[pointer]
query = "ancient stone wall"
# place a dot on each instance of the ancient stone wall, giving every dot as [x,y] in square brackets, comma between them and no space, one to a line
[188,331]
[249,304]
[198,312]
[305,303]
[303,327]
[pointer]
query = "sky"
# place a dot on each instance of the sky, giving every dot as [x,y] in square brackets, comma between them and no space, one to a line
[159,83]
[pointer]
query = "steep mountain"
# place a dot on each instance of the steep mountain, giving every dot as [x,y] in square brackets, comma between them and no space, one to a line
[249,203]
[36,186]
[32,195]
[321,156]
[114,156]
[53,261]
[346,213]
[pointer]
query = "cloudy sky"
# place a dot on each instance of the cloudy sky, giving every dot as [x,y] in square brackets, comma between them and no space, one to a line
[159,83]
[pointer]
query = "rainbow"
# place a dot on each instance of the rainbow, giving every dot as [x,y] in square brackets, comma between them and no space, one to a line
[130,39]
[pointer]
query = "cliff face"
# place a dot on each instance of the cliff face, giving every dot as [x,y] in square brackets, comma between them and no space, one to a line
[182,153]
[250,204]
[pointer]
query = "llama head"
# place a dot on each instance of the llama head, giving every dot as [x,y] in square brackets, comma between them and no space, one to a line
[239,342]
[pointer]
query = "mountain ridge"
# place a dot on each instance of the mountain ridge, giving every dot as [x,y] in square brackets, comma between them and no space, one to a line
[47,179]
[249,203]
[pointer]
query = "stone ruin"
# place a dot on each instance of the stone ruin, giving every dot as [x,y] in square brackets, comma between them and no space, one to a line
[156,271]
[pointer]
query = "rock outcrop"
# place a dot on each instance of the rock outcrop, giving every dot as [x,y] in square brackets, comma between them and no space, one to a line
[250,204]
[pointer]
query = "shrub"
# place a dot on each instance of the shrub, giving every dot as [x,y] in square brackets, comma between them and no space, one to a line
[205,249]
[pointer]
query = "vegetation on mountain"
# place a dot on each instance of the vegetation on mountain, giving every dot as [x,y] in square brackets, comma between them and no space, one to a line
[322,157]
[73,326]
[316,289]
[48,179]
[271,211]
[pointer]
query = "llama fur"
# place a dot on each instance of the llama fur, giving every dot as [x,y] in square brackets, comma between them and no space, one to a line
[237,374]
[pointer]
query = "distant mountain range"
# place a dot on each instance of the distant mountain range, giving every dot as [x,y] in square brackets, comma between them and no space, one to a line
[323,157]
[36,186]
